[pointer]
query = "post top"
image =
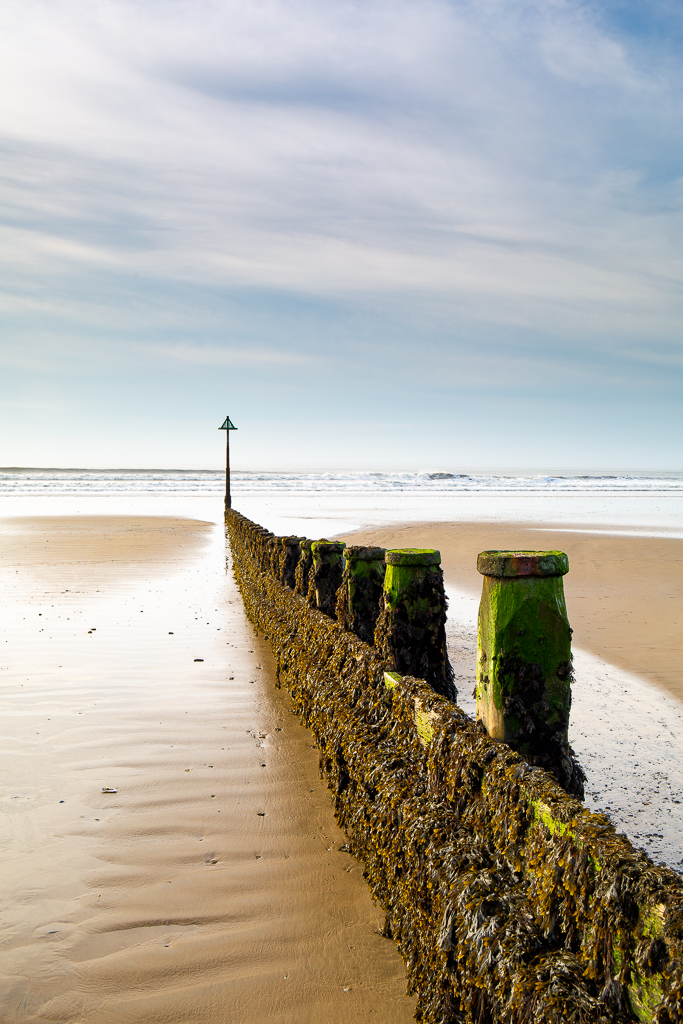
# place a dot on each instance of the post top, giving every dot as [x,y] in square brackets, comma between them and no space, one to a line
[228,424]
[358,553]
[334,547]
[511,564]
[413,556]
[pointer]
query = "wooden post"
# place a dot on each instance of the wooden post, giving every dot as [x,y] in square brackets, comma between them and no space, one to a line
[410,634]
[360,593]
[326,574]
[524,660]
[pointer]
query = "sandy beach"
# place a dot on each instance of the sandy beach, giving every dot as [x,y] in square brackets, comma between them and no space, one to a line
[209,886]
[624,592]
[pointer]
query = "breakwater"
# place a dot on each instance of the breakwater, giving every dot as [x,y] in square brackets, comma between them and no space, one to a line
[508,900]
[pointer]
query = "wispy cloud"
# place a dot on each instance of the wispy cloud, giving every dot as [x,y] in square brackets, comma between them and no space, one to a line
[507,163]
[220,356]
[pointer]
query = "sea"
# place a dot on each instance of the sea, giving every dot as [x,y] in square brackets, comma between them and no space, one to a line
[317,503]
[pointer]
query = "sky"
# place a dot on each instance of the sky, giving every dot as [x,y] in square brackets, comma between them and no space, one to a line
[435,234]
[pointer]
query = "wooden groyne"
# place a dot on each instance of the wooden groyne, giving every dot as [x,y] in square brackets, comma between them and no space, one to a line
[509,901]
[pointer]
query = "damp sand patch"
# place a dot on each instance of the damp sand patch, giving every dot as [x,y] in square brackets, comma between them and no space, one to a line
[169,852]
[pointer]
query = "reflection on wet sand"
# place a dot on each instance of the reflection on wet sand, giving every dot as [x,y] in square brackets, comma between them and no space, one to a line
[210,886]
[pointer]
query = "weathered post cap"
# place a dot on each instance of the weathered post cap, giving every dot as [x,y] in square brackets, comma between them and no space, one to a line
[358,553]
[511,564]
[413,556]
[306,543]
[331,546]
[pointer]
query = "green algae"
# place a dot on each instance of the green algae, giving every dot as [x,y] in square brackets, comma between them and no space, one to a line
[524,660]
[410,633]
[360,591]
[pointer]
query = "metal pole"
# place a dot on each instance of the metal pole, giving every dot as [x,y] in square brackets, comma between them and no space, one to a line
[228,500]
[227,427]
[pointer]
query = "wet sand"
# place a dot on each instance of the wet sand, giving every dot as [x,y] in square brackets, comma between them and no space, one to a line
[210,886]
[624,593]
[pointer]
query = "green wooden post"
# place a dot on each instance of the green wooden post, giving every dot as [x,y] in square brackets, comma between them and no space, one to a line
[276,557]
[290,560]
[265,537]
[303,567]
[326,574]
[524,661]
[411,629]
[360,593]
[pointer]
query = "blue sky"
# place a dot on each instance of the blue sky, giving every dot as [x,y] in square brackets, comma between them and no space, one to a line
[380,235]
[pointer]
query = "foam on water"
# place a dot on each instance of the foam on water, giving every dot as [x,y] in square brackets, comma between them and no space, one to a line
[132,481]
[318,504]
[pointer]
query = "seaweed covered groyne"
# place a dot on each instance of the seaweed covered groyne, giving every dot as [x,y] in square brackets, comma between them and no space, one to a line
[508,900]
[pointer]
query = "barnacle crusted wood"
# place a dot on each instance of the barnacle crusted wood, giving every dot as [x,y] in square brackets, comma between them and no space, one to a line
[509,901]
[524,659]
[326,575]
[289,559]
[303,567]
[411,626]
[360,593]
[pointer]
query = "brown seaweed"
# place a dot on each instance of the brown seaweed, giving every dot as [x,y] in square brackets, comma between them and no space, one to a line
[508,900]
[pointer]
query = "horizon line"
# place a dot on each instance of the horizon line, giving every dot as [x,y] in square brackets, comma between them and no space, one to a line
[465,471]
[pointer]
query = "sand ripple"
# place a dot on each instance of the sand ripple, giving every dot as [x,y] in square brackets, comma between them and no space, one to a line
[210,886]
